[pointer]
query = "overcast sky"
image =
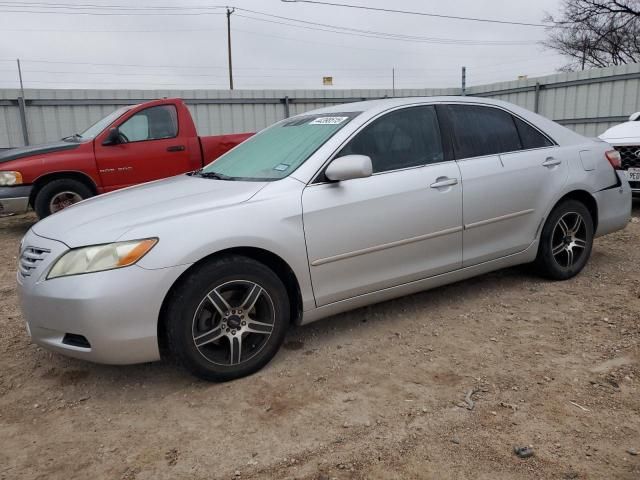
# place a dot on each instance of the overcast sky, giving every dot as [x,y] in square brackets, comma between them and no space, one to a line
[128,46]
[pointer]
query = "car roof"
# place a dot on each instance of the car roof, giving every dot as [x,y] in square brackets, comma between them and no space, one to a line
[382,104]
[371,108]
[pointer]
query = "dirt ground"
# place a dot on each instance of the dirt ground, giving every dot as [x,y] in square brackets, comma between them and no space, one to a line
[377,393]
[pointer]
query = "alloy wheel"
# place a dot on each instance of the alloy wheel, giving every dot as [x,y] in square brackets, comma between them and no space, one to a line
[569,239]
[233,322]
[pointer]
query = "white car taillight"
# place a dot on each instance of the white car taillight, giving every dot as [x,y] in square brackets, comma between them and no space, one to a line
[614,159]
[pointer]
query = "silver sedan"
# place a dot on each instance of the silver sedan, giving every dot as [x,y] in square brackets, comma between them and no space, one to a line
[320,213]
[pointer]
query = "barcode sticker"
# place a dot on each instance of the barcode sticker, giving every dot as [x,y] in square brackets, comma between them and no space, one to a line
[328,121]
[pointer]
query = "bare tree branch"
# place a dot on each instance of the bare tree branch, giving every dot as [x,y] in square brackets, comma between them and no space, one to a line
[596,33]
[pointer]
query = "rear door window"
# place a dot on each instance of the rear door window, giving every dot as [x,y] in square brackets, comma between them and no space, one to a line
[477,131]
[401,139]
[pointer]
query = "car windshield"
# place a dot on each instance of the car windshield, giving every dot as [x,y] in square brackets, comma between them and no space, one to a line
[100,125]
[277,151]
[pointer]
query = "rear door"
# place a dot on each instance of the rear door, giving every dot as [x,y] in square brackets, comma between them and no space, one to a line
[510,171]
[150,149]
[402,224]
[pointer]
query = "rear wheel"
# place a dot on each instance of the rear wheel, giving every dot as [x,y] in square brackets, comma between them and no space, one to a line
[227,319]
[566,241]
[59,194]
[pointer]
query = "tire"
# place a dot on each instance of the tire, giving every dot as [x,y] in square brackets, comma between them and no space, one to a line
[200,332]
[562,238]
[74,190]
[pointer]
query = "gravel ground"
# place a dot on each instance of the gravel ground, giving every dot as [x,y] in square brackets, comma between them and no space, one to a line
[377,393]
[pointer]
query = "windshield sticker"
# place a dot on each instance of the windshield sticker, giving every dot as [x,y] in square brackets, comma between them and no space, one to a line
[281,167]
[328,121]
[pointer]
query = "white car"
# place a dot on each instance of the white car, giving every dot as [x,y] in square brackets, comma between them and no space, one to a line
[625,138]
[321,213]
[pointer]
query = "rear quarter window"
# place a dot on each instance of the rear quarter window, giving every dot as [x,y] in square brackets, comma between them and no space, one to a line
[530,137]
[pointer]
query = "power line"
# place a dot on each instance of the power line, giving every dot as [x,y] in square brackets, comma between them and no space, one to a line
[326,28]
[423,14]
[220,67]
[385,36]
[107,10]
[93,6]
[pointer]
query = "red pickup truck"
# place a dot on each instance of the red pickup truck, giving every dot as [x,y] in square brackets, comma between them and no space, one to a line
[132,145]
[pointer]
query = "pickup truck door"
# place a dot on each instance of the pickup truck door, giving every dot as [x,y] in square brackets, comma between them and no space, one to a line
[149,149]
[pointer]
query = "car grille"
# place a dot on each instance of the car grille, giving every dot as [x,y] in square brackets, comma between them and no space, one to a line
[30,258]
[630,156]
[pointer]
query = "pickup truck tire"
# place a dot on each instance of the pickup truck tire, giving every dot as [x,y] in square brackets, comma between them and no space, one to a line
[61,192]
[226,318]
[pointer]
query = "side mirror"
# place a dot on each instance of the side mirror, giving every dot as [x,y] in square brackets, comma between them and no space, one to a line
[349,167]
[634,117]
[113,138]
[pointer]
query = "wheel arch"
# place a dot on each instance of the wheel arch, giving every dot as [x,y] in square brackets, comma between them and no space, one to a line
[273,261]
[70,174]
[586,199]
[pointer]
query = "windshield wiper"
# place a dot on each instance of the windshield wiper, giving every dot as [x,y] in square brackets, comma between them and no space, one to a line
[214,175]
[75,137]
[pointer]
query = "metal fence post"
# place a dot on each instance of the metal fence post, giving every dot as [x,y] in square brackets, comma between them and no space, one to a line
[464,81]
[23,120]
[21,106]
[286,107]
[536,101]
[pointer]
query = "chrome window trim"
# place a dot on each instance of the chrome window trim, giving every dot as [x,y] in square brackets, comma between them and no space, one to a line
[497,107]
[314,178]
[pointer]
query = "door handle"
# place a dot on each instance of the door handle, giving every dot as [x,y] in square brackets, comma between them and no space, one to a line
[444,182]
[551,162]
[176,148]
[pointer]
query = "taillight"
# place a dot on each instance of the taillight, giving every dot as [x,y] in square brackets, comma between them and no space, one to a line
[614,159]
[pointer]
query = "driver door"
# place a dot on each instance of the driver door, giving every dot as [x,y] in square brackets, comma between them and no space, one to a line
[402,224]
[149,149]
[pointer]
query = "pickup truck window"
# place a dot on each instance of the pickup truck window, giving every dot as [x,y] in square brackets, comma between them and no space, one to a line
[100,125]
[152,123]
[277,151]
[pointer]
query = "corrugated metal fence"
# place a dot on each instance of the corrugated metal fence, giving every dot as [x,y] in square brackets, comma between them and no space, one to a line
[589,102]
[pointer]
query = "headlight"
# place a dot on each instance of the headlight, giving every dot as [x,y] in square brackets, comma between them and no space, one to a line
[101,257]
[10,178]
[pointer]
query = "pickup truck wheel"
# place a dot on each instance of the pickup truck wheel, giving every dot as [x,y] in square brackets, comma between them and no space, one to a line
[59,194]
[227,318]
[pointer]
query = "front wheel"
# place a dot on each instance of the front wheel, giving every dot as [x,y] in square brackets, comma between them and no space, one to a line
[227,318]
[59,194]
[566,241]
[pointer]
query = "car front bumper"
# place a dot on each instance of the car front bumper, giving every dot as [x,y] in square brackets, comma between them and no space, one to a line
[14,199]
[116,311]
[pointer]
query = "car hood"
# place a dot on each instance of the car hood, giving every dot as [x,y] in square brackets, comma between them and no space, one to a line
[627,131]
[21,152]
[106,218]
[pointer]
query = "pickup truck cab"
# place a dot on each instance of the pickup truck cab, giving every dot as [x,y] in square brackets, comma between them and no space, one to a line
[132,145]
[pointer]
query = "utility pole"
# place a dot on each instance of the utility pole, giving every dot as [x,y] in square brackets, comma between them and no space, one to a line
[464,81]
[393,81]
[21,107]
[229,12]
